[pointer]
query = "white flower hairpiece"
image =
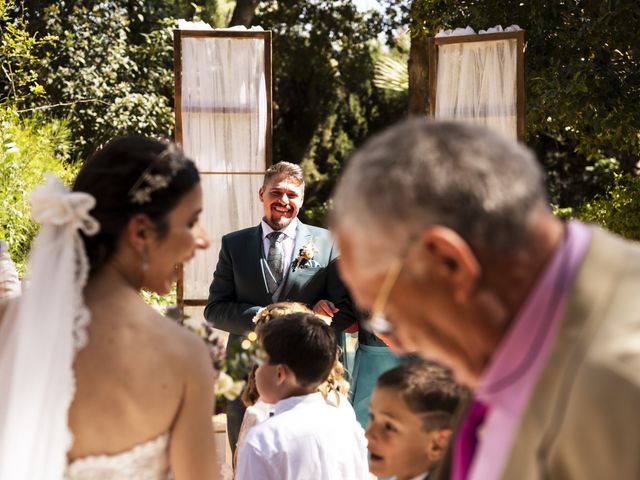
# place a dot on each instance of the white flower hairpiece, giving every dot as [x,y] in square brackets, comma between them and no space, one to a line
[149,182]
[256,317]
[53,204]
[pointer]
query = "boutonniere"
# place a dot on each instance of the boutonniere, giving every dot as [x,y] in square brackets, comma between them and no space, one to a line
[305,255]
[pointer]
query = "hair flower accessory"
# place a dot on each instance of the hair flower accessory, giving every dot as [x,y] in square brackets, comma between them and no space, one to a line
[149,182]
[305,256]
[53,204]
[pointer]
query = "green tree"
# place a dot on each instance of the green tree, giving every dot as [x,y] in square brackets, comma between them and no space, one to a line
[325,103]
[107,85]
[616,209]
[21,57]
[581,67]
[29,148]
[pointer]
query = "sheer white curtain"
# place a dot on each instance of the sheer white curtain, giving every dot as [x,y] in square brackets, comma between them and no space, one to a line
[224,127]
[477,83]
[224,114]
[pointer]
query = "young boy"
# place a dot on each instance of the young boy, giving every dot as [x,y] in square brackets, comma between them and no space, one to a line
[411,409]
[306,438]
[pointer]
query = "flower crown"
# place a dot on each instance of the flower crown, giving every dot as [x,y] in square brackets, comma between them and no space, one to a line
[150,182]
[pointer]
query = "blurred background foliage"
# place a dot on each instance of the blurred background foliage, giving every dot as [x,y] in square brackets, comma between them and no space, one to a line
[75,73]
[581,74]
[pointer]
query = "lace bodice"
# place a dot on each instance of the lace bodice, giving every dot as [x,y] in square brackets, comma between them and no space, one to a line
[147,461]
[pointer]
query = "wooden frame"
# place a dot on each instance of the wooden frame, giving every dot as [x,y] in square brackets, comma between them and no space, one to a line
[178,35]
[435,42]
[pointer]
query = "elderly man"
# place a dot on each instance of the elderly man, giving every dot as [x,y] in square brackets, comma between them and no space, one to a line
[447,237]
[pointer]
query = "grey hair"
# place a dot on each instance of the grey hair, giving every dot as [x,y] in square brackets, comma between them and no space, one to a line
[422,172]
[289,170]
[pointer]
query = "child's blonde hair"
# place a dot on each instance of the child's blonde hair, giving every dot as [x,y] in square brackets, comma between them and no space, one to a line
[335,383]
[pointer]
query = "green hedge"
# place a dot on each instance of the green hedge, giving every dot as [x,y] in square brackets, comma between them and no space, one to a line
[618,209]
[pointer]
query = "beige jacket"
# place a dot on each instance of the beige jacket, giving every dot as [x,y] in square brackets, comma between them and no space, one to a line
[583,418]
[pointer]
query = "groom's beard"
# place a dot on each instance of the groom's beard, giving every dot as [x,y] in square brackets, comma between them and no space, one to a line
[280,220]
[281,223]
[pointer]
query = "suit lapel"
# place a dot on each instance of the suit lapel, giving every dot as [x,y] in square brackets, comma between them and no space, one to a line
[303,235]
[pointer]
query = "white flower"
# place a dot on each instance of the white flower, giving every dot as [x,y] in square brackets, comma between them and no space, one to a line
[225,386]
[141,196]
[256,317]
[53,204]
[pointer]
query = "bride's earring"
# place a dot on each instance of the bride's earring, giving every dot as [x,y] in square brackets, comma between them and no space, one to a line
[145,259]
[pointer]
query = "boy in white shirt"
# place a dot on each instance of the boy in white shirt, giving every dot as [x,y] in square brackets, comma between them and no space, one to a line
[306,438]
[410,415]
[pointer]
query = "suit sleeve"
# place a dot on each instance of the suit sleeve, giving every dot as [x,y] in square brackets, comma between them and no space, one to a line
[338,294]
[224,310]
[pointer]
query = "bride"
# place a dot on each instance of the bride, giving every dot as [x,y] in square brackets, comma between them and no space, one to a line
[94,383]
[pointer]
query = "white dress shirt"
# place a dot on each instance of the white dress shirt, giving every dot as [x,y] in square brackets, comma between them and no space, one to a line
[288,244]
[306,439]
[422,476]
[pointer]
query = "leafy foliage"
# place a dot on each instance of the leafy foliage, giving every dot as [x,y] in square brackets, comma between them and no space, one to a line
[325,103]
[21,56]
[111,86]
[581,73]
[617,209]
[28,149]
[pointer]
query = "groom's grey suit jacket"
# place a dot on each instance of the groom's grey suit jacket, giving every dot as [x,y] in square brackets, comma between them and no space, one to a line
[239,286]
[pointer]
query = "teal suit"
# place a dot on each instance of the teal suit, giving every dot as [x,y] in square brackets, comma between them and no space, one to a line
[239,286]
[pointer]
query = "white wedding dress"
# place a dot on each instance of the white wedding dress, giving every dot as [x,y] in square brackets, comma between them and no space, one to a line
[146,461]
[37,388]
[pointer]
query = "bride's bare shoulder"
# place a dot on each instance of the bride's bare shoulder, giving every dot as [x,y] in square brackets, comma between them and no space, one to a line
[187,345]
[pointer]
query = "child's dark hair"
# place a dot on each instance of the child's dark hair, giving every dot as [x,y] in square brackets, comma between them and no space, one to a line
[111,176]
[250,394]
[302,342]
[428,389]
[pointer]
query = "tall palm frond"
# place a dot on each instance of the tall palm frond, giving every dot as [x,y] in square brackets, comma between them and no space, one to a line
[391,74]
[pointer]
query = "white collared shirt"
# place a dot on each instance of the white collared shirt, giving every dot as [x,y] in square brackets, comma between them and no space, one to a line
[422,476]
[305,439]
[288,244]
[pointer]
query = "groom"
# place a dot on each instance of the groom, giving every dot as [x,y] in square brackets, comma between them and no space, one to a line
[282,259]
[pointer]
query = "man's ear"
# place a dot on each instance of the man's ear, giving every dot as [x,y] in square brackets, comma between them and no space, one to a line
[437,444]
[139,230]
[261,193]
[453,260]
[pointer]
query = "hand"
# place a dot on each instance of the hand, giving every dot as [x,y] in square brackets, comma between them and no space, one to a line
[325,310]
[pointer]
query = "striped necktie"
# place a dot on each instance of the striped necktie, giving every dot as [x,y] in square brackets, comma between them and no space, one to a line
[275,260]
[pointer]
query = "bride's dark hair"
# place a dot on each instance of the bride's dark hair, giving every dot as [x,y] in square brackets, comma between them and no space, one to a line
[116,172]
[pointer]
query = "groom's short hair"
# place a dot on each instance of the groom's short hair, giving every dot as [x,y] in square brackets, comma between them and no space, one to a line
[304,343]
[286,169]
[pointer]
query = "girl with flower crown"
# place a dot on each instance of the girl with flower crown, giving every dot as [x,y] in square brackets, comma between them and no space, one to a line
[334,390]
[95,383]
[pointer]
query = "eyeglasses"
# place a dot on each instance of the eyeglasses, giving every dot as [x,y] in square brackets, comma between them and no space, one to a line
[377,321]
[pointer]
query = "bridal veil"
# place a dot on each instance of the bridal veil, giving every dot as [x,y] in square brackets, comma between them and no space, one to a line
[39,336]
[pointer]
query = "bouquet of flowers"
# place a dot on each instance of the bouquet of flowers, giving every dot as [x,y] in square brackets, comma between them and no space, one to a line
[232,367]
